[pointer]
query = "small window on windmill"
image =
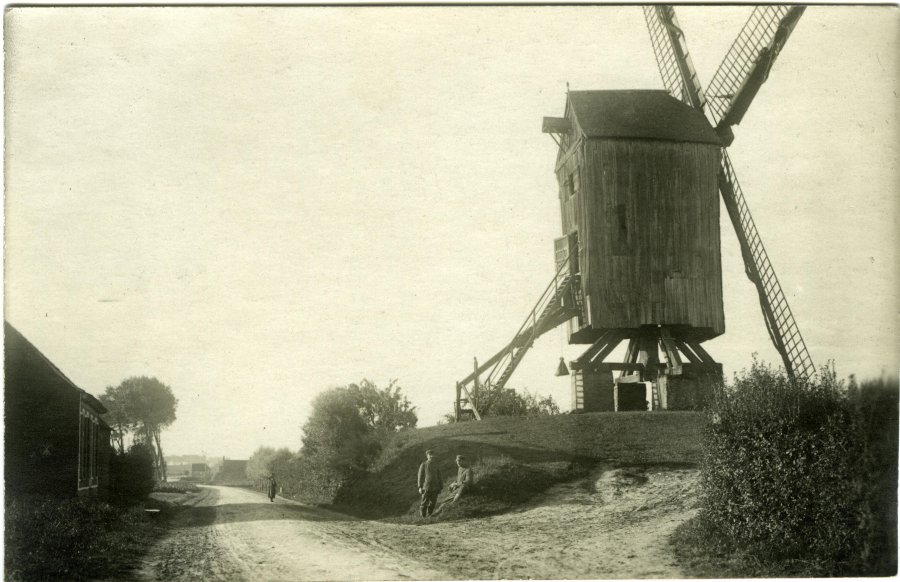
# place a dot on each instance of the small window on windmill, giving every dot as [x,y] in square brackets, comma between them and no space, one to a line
[575,179]
[622,221]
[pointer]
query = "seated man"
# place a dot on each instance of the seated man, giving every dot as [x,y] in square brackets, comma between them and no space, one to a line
[464,478]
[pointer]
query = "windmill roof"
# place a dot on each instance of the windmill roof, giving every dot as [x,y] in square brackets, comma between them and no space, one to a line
[641,115]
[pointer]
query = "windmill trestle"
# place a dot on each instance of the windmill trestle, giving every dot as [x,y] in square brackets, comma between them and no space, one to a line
[683,379]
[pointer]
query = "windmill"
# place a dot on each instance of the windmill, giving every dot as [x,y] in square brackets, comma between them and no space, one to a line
[640,174]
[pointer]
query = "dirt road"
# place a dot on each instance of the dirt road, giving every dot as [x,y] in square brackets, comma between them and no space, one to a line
[614,525]
[236,534]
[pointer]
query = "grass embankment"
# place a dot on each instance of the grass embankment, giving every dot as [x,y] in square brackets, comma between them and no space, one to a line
[516,458]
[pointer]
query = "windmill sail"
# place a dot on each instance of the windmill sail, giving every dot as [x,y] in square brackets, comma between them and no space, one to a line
[744,69]
[746,65]
[780,323]
[672,57]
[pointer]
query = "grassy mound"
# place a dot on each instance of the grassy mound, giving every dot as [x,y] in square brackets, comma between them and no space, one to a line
[515,458]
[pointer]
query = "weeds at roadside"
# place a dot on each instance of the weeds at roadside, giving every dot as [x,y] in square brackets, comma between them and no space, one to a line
[72,539]
[176,487]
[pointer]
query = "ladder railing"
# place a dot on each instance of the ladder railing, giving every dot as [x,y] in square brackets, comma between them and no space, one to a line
[780,323]
[529,330]
[551,310]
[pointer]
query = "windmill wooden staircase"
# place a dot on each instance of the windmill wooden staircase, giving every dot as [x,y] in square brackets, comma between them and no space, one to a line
[558,303]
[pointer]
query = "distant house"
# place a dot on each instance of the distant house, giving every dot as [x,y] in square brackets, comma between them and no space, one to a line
[174,470]
[55,441]
[232,471]
[200,471]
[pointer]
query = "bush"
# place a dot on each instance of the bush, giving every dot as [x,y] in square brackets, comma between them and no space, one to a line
[342,437]
[875,403]
[131,474]
[69,539]
[787,469]
[508,402]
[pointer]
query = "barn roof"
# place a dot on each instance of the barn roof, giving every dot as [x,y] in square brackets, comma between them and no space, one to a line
[16,342]
[641,115]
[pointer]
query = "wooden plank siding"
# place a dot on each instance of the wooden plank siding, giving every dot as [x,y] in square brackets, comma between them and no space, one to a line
[647,214]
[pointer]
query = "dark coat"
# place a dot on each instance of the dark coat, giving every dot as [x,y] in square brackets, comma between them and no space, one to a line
[430,478]
[272,488]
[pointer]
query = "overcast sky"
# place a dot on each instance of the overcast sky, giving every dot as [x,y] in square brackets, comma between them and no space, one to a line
[254,204]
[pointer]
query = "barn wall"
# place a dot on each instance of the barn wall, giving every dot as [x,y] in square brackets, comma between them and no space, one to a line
[41,438]
[649,228]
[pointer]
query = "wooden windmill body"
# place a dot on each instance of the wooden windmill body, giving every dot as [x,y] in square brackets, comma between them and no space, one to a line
[640,174]
[639,201]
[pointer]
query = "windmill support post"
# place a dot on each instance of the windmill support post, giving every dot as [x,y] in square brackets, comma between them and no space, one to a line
[642,380]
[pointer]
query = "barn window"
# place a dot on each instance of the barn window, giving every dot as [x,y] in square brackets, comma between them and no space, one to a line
[88,445]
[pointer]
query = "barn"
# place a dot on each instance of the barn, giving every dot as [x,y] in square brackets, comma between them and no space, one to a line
[55,439]
[639,202]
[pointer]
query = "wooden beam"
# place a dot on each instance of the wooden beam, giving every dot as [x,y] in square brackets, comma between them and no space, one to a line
[615,339]
[617,366]
[648,351]
[629,379]
[687,352]
[670,351]
[598,347]
[704,355]
[471,402]
[631,353]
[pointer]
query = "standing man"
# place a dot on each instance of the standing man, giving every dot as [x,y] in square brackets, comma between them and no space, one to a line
[430,483]
[273,488]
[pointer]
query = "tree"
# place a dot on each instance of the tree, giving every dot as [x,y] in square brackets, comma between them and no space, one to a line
[116,416]
[385,411]
[344,433]
[143,407]
[337,434]
[264,462]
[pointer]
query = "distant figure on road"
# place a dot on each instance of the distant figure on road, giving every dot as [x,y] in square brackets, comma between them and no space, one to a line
[430,483]
[464,479]
[273,488]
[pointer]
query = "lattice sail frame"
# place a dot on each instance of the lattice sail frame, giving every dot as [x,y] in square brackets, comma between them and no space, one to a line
[756,35]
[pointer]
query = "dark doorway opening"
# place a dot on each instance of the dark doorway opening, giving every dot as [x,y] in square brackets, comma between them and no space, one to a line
[632,397]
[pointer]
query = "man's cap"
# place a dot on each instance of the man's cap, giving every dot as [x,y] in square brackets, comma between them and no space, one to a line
[460,458]
[429,452]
